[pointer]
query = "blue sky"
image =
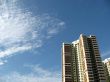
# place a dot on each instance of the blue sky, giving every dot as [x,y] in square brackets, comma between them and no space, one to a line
[32,32]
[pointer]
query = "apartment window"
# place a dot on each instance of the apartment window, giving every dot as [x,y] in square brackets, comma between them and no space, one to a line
[67,48]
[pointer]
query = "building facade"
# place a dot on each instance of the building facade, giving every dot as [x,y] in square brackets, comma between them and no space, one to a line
[81,61]
[107,69]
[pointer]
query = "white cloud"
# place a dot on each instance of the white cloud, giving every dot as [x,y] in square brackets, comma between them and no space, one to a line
[12,50]
[20,30]
[57,29]
[52,31]
[38,75]
[2,62]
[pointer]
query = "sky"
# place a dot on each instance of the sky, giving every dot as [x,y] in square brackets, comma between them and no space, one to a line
[32,33]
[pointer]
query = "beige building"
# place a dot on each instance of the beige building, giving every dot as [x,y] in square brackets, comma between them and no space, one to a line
[81,61]
[107,68]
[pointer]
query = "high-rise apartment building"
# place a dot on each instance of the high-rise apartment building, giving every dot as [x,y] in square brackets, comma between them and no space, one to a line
[81,61]
[107,69]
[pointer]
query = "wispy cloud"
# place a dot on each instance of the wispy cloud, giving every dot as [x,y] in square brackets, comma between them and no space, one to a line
[39,74]
[20,30]
[12,50]
[2,62]
[106,54]
[52,31]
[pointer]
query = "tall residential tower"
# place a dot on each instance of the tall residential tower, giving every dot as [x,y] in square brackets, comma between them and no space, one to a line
[81,61]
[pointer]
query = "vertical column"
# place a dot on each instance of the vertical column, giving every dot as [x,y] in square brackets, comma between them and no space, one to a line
[67,67]
[85,59]
[97,58]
